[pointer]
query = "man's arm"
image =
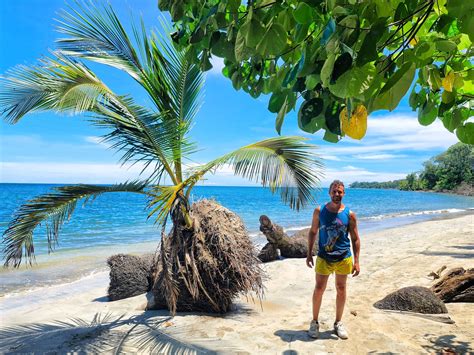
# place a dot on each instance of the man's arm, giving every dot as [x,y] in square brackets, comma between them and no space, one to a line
[313,232]
[355,242]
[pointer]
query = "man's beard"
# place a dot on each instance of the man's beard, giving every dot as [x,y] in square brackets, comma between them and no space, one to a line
[336,199]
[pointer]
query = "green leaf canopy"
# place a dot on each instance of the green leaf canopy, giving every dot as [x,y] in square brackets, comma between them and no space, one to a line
[366,52]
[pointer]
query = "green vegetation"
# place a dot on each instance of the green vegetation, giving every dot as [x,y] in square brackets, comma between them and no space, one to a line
[157,136]
[444,172]
[341,59]
[452,170]
[395,184]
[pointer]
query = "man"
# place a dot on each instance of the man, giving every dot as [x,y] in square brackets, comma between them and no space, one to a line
[334,222]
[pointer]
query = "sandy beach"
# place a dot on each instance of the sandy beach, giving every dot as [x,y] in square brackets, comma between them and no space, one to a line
[77,317]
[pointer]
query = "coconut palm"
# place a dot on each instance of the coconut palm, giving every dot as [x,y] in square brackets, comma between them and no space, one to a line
[156,137]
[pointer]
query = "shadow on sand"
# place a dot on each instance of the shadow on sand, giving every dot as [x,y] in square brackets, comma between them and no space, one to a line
[150,332]
[448,344]
[302,335]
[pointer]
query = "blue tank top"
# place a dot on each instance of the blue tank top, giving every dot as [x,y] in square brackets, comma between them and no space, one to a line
[334,243]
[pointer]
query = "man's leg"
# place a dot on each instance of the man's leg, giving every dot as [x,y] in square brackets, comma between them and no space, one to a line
[341,295]
[321,282]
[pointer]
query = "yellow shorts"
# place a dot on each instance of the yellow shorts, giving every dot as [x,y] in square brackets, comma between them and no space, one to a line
[343,267]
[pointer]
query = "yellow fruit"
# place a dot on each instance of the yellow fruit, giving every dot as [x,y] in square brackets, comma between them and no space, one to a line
[356,126]
[448,81]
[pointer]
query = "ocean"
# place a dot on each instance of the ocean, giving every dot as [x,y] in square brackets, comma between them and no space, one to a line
[117,223]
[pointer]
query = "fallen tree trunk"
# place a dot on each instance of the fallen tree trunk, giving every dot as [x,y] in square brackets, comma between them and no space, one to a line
[205,268]
[130,275]
[290,247]
[457,285]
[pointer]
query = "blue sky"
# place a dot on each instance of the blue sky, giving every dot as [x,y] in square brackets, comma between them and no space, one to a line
[48,148]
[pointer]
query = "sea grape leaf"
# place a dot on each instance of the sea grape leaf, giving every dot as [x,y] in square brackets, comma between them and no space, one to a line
[281,115]
[223,48]
[368,51]
[342,64]
[434,79]
[395,88]
[303,13]
[276,101]
[452,120]
[241,51]
[327,69]
[253,30]
[355,126]
[331,118]
[428,113]
[308,115]
[446,46]
[355,83]
[448,81]
[274,41]
[331,137]
[465,133]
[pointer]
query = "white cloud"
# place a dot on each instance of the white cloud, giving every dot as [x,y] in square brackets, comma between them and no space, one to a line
[92,173]
[217,66]
[330,157]
[378,156]
[395,133]
[97,140]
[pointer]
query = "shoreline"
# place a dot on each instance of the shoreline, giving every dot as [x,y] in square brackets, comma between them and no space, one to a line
[390,259]
[57,269]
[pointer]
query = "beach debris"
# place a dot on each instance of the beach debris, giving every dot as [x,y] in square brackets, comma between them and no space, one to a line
[457,285]
[354,313]
[130,275]
[204,268]
[168,324]
[414,299]
[290,247]
[268,253]
[437,274]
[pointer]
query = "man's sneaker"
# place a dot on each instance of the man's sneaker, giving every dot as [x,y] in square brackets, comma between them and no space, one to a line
[340,331]
[313,331]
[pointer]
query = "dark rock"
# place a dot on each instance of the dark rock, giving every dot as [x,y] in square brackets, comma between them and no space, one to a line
[457,285]
[414,299]
[130,275]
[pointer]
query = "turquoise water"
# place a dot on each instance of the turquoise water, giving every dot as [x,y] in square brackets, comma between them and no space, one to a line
[117,222]
[121,218]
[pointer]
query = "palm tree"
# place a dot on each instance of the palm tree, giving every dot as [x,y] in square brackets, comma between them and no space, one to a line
[157,136]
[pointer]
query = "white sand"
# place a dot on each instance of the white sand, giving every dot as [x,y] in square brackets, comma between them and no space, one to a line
[390,260]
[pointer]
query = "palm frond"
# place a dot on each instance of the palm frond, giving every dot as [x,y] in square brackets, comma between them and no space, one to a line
[53,209]
[173,83]
[60,84]
[96,33]
[284,164]
[141,134]
[163,199]
[63,84]
[183,98]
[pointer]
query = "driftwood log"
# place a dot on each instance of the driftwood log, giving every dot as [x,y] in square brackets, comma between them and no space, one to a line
[290,247]
[457,285]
